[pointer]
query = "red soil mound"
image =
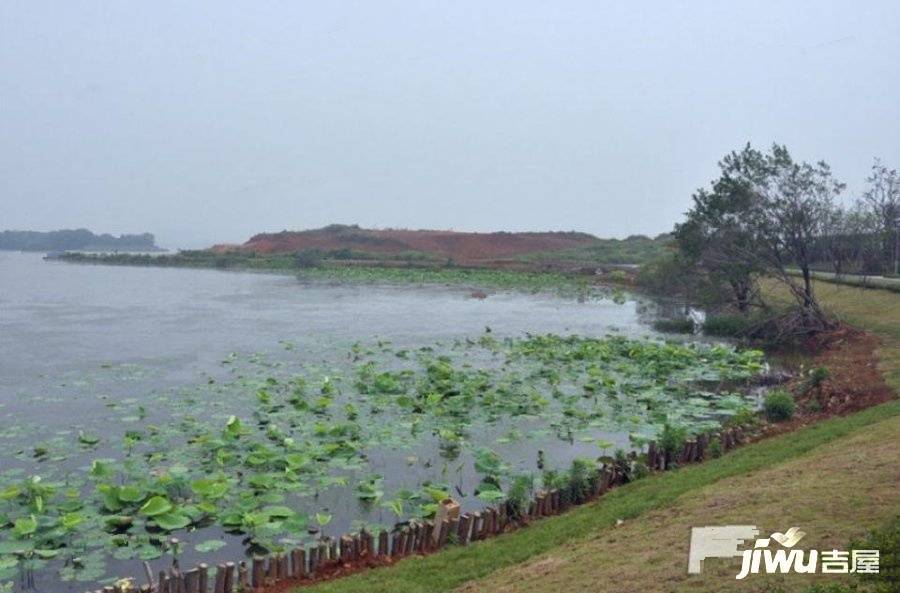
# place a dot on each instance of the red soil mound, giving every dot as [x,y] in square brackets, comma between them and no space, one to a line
[456,245]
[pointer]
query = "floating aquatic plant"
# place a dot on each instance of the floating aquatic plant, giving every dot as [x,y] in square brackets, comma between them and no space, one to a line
[260,451]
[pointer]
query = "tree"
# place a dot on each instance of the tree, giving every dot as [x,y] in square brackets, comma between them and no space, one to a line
[765,214]
[882,200]
[847,243]
[790,205]
[713,230]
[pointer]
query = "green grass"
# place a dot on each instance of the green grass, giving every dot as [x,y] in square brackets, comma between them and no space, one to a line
[636,249]
[449,569]
[875,310]
[325,271]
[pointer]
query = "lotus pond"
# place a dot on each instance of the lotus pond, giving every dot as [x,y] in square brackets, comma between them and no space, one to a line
[287,433]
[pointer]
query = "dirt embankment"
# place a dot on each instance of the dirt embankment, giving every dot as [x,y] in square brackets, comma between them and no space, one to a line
[853,381]
[458,246]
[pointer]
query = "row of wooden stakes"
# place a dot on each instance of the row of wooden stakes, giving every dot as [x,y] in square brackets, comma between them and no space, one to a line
[694,449]
[330,555]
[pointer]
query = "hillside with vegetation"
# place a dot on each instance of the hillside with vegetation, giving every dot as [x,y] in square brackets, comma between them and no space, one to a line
[354,242]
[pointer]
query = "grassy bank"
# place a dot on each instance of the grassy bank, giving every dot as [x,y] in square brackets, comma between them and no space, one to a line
[770,483]
[451,569]
[874,310]
[848,494]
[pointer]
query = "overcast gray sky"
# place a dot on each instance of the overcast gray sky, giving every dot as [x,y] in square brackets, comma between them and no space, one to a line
[210,121]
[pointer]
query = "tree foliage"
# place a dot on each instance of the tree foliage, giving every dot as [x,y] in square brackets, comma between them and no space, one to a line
[766,214]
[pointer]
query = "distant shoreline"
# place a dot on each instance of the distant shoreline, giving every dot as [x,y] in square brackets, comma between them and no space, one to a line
[82,240]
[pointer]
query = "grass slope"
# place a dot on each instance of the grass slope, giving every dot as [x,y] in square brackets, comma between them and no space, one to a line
[852,489]
[851,457]
[872,309]
[451,569]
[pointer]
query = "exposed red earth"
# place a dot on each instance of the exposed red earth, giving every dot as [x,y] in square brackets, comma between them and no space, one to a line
[462,247]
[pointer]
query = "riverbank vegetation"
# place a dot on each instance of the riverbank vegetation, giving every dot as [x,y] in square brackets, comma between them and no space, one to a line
[769,216]
[274,451]
[477,419]
[768,481]
[308,267]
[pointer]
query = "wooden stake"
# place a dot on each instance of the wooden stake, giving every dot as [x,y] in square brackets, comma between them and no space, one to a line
[418,530]
[410,541]
[395,543]
[229,577]
[313,560]
[175,578]
[384,543]
[298,562]
[271,571]
[243,577]
[465,524]
[370,544]
[191,581]
[203,577]
[219,586]
[358,546]
[428,537]
[476,526]
[346,548]
[259,571]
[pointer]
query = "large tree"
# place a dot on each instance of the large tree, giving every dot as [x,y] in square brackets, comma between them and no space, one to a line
[708,238]
[767,213]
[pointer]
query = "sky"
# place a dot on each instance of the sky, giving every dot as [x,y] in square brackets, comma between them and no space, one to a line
[207,122]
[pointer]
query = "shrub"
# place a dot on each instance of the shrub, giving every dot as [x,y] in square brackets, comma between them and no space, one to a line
[582,475]
[728,326]
[518,497]
[816,378]
[779,406]
[672,438]
[745,416]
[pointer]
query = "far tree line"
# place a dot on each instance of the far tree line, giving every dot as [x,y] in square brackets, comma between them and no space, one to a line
[770,216]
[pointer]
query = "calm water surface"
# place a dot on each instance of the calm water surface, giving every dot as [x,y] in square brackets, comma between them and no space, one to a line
[76,341]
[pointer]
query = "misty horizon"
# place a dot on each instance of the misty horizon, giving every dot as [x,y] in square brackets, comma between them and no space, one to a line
[208,124]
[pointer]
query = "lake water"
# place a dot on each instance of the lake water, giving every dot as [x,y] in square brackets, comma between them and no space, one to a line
[82,345]
[56,318]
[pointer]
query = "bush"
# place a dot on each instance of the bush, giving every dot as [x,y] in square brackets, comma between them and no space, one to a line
[816,377]
[779,406]
[745,416]
[518,497]
[672,438]
[582,475]
[728,326]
